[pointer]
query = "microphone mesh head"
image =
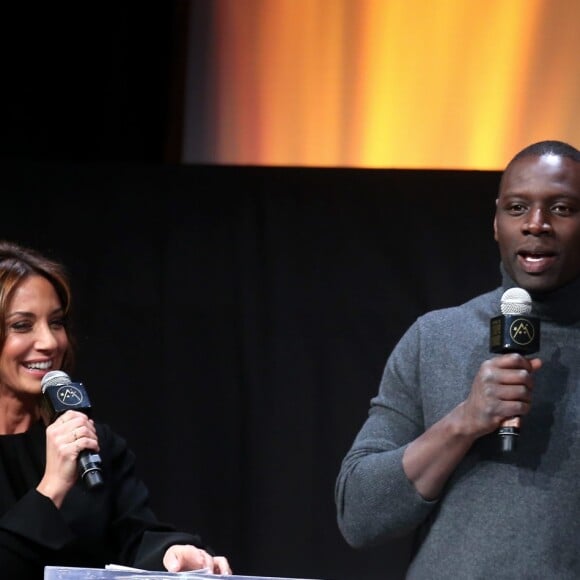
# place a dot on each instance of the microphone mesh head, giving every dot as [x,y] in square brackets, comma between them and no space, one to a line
[52,378]
[516,301]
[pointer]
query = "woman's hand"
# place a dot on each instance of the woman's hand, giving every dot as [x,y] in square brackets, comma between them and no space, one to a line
[180,558]
[66,437]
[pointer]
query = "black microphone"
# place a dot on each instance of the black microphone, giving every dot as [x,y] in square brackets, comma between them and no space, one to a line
[514,331]
[60,395]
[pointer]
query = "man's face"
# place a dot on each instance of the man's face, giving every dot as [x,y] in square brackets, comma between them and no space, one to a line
[537,221]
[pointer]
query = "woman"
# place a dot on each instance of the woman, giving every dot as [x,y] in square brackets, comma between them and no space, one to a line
[47,516]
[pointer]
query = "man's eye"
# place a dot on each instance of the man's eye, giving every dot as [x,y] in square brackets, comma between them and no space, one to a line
[562,210]
[516,208]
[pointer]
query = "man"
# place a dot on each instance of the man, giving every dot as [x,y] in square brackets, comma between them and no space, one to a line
[427,460]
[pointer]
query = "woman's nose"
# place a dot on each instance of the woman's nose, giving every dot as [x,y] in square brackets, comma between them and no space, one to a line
[45,339]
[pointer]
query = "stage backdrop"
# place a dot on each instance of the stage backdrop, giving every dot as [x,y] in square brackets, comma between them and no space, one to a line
[420,84]
[234,322]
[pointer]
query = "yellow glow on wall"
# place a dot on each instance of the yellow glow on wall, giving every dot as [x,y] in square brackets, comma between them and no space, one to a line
[454,84]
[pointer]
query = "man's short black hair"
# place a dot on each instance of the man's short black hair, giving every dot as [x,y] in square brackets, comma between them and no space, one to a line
[540,148]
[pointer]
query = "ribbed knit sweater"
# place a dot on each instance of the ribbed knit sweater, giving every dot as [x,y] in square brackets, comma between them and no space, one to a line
[513,516]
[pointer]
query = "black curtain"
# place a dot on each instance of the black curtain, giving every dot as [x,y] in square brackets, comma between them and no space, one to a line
[233,323]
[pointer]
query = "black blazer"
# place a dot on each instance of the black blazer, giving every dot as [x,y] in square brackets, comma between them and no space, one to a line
[110,524]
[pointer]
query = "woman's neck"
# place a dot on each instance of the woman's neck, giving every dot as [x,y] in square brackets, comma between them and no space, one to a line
[17,416]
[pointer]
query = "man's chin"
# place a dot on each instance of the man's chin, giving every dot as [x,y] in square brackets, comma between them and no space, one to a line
[537,283]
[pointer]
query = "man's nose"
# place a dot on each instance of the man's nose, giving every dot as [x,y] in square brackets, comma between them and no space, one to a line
[538,222]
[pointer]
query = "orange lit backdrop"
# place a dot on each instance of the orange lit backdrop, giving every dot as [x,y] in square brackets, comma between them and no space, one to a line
[453,84]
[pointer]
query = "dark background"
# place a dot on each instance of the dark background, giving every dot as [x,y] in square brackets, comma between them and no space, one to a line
[233,322]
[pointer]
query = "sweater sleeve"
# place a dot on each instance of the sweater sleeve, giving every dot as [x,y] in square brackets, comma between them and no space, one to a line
[29,531]
[375,500]
[141,538]
[114,523]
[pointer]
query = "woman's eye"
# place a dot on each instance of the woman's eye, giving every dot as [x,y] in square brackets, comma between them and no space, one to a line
[21,326]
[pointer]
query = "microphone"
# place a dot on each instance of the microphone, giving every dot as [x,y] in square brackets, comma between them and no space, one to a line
[60,394]
[514,330]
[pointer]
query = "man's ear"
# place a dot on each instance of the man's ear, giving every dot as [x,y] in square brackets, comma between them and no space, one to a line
[495,222]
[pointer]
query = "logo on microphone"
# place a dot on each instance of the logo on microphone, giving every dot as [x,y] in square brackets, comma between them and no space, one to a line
[69,395]
[522,331]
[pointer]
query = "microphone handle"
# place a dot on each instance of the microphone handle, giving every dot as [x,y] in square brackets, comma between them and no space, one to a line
[89,467]
[509,432]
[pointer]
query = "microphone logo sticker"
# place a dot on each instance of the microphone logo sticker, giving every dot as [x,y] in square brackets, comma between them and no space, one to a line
[522,331]
[70,395]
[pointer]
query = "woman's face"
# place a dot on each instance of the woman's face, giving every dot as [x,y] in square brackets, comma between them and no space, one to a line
[36,338]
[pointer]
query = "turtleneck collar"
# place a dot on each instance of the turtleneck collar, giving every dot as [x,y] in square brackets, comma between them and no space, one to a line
[561,305]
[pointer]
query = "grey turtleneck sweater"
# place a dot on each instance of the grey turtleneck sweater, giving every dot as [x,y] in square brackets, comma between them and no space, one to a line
[514,516]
